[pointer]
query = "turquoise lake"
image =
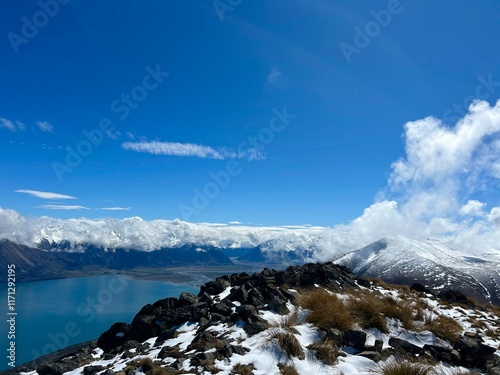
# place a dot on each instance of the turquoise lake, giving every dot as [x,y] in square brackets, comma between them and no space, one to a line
[57,313]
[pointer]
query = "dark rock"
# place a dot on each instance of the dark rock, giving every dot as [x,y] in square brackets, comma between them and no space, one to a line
[453,296]
[238,294]
[279,306]
[405,346]
[215,287]
[187,299]
[167,303]
[215,317]
[374,356]
[91,370]
[438,352]
[54,369]
[143,327]
[199,312]
[417,287]
[247,312]
[364,283]
[205,298]
[256,298]
[354,338]
[165,335]
[473,353]
[204,341]
[335,335]
[205,356]
[223,308]
[238,349]
[115,336]
[378,345]
[254,327]
[127,354]
[494,371]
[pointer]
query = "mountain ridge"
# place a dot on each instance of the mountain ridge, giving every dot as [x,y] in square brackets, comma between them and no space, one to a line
[401,260]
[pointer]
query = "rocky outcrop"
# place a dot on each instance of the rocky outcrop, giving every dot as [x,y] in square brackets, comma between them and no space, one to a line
[236,300]
[246,294]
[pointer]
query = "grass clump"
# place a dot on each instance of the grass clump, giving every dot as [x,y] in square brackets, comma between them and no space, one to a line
[325,351]
[287,370]
[287,342]
[147,366]
[327,310]
[241,369]
[286,323]
[402,366]
[366,310]
[444,327]
[402,310]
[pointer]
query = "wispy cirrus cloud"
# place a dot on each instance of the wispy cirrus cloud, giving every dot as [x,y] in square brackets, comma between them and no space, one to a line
[45,127]
[116,208]
[7,124]
[45,194]
[193,150]
[16,125]
[65,207]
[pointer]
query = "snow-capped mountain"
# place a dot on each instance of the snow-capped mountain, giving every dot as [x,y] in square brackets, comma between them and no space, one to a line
[433,263]
[279,252]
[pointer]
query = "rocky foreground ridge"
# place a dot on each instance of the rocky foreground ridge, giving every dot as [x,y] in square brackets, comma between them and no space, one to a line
[316,318]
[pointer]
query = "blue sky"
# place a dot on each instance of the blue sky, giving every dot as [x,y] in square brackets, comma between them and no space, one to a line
[297,116]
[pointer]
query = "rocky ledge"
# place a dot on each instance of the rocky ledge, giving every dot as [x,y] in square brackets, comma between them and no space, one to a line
[239,300]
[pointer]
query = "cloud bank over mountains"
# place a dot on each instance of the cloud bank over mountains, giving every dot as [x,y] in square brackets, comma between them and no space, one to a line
[444,187]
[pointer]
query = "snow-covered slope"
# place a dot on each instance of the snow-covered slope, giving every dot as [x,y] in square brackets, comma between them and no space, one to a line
[229,329]
[434,263]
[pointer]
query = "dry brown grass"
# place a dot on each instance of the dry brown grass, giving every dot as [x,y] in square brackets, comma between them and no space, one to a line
[327,310]
[402,310]
[325,351]
[287,342]
[287,323]
[241,369]
[443,327]
[287,370]
[402,366]
[366,310]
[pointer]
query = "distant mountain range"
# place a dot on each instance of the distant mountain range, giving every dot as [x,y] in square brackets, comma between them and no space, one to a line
[41,264]
[433,263]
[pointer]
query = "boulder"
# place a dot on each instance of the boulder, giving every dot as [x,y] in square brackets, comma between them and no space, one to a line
[473,353]
[417,287]
[187,299]
[405,346]
[115,336]
[453,296]
[91,370]
[354,338]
